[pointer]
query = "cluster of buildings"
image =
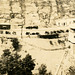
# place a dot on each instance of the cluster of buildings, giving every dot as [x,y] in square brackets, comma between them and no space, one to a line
[7,29]
[18,22]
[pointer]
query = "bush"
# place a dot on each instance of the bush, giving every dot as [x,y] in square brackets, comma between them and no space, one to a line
[42,69]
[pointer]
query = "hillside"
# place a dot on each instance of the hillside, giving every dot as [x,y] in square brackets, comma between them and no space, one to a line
[35,12]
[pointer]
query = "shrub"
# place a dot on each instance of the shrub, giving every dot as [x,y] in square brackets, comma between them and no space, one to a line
[42,69]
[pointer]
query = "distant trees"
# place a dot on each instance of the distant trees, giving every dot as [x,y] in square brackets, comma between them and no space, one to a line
[11,64]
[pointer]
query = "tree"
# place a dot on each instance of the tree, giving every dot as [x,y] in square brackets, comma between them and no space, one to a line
[71,70]
[28,64]
[15,43]
[6,52]
[11,64]
[42,69]
[4,61]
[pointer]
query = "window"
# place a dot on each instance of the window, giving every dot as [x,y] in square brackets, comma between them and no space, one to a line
[14,33]
[4,27]
[46,32]
[27,33]
[51,42]
[58,23]
[7,32]
[72,30]
[62,31]
[37,33]
[1,32]
[64,24]
[35,27]
[58,31]
[73,21]
[32,27]
[33,33]
[67,30]
[12,15]
[51,32]
[54,32]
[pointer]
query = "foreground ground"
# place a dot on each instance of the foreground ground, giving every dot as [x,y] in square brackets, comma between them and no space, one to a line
[42,51]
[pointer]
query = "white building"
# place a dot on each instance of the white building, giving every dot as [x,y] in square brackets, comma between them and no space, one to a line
[7,30]
[72,34]
[65,21]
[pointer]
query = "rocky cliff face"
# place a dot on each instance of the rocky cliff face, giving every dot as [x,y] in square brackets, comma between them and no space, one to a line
[35,12]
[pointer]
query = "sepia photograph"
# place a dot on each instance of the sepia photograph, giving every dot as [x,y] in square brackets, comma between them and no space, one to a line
[37,37]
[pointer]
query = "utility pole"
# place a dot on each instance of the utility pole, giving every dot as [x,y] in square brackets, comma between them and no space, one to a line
[23,10]
[21,31]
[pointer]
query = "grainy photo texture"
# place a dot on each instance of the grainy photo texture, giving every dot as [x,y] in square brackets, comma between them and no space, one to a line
[37,37]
